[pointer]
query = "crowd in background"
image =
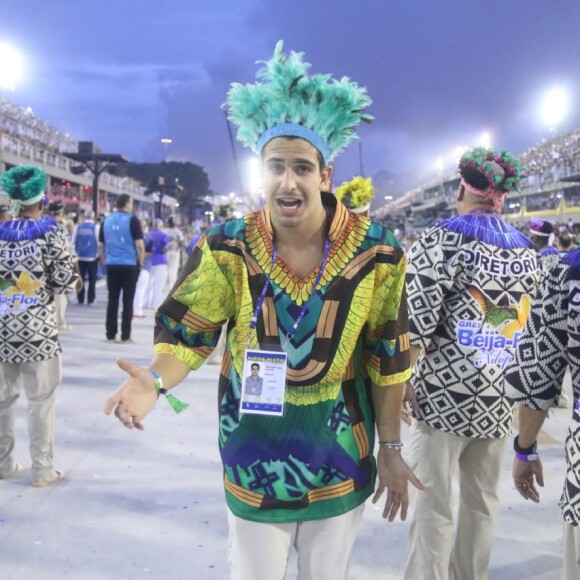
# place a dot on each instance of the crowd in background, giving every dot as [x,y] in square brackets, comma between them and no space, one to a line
[22,123]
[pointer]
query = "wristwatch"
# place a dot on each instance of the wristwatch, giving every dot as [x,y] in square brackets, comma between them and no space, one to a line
[526,453]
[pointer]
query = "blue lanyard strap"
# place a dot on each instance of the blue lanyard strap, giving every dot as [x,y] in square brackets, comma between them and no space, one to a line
[304,308]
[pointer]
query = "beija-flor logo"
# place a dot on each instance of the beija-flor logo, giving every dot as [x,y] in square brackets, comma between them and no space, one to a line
[499,330]
[19,294]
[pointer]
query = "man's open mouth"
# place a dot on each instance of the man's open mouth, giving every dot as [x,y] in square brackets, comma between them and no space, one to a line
[289,203]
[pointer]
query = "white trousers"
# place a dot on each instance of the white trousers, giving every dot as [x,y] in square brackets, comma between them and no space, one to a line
[140,291]
[156,289]
[173,259]
[571,552]
[39,380]
[258,551]
[435,455]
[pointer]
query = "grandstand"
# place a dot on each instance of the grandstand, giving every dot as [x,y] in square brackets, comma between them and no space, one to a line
[551,190]
[24,139]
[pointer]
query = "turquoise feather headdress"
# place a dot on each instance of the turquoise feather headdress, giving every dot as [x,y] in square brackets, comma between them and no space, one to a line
[287,102]
[24,185]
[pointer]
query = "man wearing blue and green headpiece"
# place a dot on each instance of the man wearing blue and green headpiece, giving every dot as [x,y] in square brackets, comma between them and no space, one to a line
[315,294]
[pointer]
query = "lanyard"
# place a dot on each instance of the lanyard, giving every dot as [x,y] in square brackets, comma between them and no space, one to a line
[304,308]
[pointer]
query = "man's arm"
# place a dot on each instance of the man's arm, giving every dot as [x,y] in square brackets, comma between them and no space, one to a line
[410,403]
[394,474]
[140,247]
[137,395]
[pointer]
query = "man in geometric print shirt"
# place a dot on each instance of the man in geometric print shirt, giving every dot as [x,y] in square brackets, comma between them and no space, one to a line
[549,345]
[326,287]
[469,283]
[35,265]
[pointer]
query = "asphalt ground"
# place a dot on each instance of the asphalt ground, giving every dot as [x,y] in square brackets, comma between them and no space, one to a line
[151,504]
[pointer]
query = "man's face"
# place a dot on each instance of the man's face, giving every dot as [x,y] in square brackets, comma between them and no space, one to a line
[292,181]
[255,371]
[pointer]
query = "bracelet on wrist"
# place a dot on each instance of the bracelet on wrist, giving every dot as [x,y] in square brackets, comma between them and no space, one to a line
[397,445]
[173,401]
[524,450]
[529,457]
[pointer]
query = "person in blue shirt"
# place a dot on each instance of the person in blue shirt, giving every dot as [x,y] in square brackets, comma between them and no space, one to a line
[160,244]
[122,250]
[85,240]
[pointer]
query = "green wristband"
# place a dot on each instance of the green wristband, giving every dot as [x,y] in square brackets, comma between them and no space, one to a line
[173,401]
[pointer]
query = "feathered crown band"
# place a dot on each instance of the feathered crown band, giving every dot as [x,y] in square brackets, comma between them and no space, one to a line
[24,185]
[287,102]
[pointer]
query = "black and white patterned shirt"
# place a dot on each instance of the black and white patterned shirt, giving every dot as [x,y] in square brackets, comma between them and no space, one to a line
[551,342]
[35,264]
[469,283]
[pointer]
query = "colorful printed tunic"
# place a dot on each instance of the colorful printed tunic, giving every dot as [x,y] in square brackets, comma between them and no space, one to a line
[35,264]
[469,282]
[551,342]
[317,460]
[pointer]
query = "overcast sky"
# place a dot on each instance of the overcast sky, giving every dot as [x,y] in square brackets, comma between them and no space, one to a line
[441,73]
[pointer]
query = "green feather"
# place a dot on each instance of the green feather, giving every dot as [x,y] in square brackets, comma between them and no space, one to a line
[23,182]
[285,93]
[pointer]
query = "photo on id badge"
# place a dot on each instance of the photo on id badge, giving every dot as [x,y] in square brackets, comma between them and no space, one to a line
[263,383]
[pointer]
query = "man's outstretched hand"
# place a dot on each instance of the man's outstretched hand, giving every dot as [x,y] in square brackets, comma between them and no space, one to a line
[135,397]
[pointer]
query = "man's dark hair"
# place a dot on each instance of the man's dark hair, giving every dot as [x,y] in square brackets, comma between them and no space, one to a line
[55,207]
[255,365]
[566,241]
[122,200]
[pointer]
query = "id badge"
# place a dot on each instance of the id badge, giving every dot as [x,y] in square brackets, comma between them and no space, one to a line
[263,383]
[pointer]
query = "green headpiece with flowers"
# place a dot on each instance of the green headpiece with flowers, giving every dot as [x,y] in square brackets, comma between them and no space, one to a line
[287,102]
[24,185]
[500,172]
[489,174]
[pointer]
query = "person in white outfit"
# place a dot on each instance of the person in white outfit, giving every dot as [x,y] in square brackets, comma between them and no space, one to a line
[144,275]
[174,253]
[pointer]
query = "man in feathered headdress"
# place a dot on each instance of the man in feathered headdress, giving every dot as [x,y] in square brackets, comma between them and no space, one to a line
[316,293]
[35,265]
[469,282]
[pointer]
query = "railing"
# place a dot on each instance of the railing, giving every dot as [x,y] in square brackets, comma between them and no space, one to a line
[28,152]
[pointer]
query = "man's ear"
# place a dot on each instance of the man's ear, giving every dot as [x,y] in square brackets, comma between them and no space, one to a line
[460,193]
[326,178]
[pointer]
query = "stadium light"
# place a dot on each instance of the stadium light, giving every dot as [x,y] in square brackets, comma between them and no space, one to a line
[458,153]
[10,67]
[555,107]
[166,142]
[485,140]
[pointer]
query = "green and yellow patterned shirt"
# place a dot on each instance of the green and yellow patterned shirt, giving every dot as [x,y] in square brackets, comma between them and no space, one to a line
[317,460]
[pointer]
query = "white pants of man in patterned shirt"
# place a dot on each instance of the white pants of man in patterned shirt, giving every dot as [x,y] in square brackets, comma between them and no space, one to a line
[435,456]
[39,380]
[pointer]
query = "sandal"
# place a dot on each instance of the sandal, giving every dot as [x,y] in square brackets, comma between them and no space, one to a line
[59,477]
[18,467]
